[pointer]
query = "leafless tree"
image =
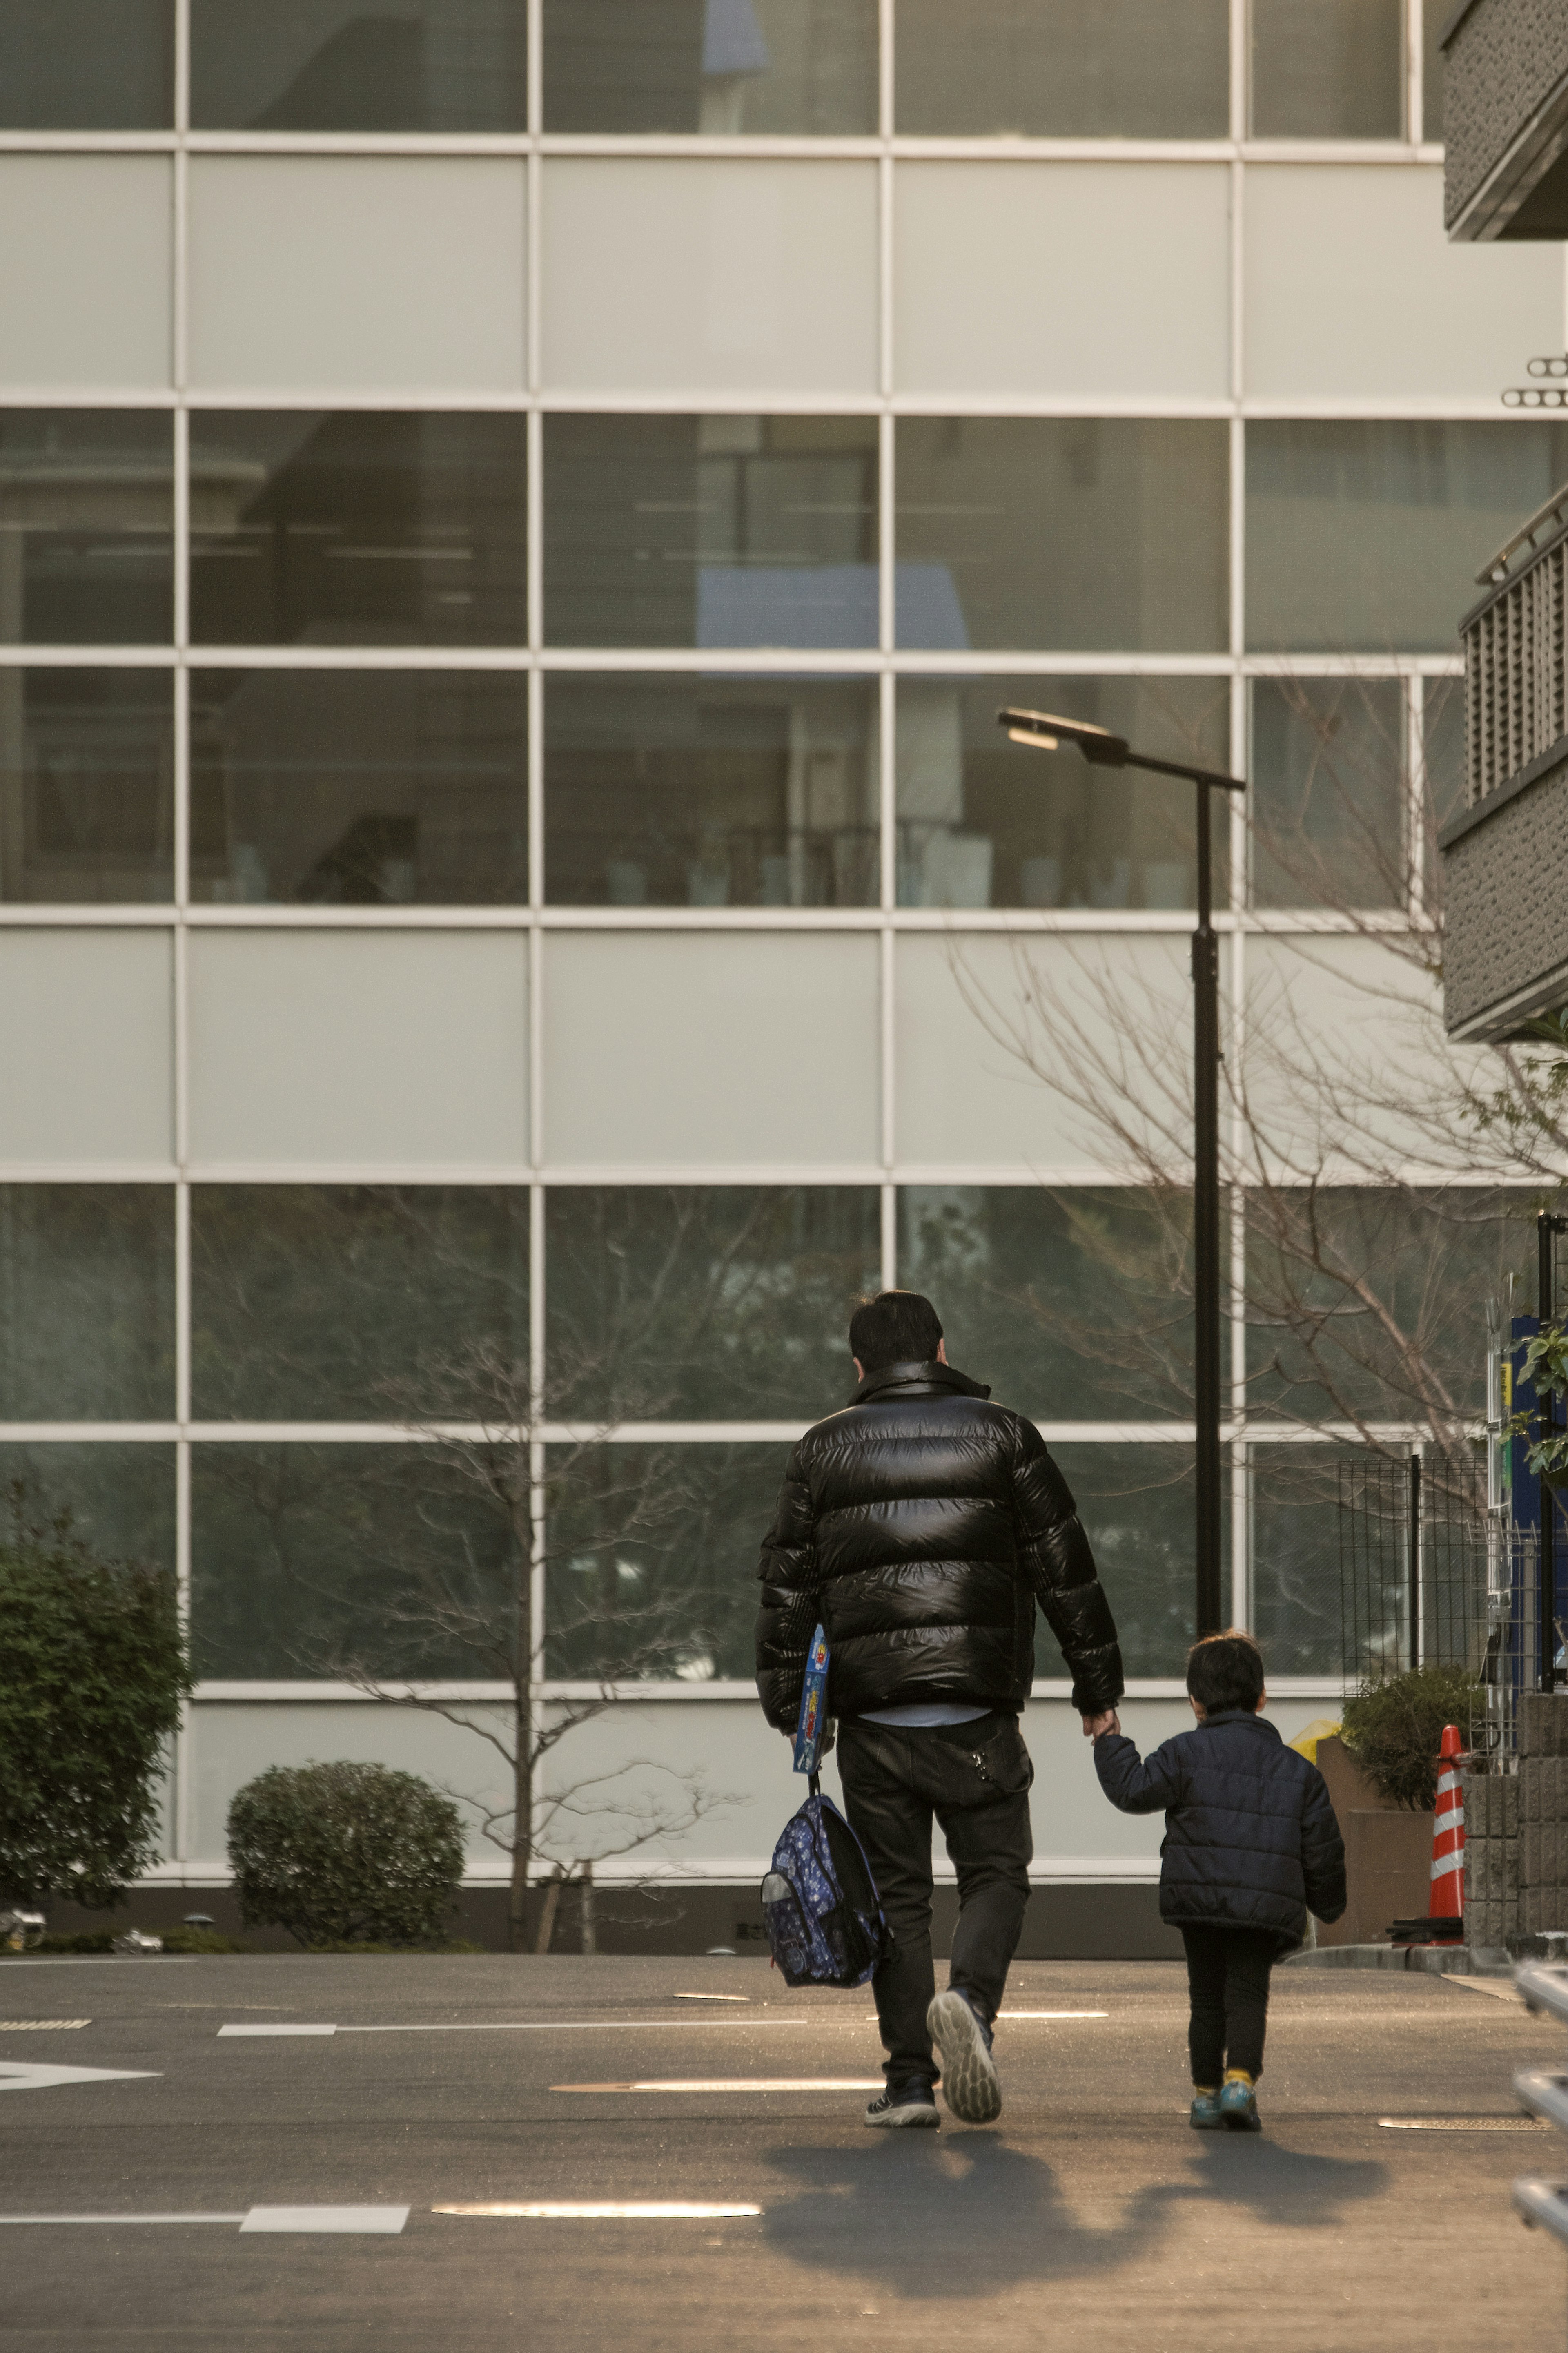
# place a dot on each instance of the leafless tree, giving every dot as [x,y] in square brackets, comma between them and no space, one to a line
[1382,1172]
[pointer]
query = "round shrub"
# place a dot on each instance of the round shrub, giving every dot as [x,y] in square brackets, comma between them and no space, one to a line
[1393,1728]
[346,1853]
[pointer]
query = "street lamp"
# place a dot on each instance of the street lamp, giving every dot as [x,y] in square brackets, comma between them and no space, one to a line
[1044,733]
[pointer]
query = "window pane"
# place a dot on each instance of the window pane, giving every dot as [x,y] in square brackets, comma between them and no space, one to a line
[721,66]
[356,529]
[87,512]
[121,1498]
[87,65]
[358,65]
[1328,793]
[87,1302]
[983,822]
[359,788]
[1327,68]
[704,1302]
[1056,70]
[1137,1505]
[652,1554]
[710,530]
[1059,532]
[1372,1304]
[1446,772]
[1073,1305]
[318,1561]
[1296,1602]
[1366,536]
[1443,736]
[711,792]
[345,1302]
[87,789]
[1433,69]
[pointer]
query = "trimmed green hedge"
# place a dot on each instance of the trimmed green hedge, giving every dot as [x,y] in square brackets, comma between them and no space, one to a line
[346,1853]
[1393,1729]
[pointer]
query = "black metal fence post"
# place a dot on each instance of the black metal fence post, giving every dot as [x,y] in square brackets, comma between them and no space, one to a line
[1547,1228]
[1413,1560]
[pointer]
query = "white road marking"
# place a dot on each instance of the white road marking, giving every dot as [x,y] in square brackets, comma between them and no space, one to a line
[585,2210]
[41,2025]
[521,2026]
[738,2084]
[1462,2123]
[1005,2015]
[277,2029]
[233,2219]
[15,2078]
[380,2219]
[387,2219]
[710,1997]
[100,1961]
[1500,1989]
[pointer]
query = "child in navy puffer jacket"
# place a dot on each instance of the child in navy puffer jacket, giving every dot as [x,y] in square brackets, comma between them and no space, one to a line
[1251,1846]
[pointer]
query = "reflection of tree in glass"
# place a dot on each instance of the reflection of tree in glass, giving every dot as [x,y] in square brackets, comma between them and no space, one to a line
[669,1303]
[1387,1178]
[399,1566]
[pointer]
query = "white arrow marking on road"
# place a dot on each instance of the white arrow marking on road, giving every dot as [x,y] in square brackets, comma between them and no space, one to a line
[39,2079]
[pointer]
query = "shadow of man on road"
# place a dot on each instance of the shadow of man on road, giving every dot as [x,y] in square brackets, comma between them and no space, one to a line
[970,2214]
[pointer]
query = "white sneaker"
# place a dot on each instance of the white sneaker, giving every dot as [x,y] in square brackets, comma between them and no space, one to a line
[969,2080]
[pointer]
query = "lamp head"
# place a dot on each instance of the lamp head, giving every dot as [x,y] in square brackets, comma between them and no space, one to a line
[1044,731]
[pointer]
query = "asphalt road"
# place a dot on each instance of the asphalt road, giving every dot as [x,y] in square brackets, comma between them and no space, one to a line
[1090,2215]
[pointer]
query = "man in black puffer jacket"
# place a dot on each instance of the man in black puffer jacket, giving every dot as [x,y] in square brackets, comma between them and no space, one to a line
[920,1528]
[1251,1846]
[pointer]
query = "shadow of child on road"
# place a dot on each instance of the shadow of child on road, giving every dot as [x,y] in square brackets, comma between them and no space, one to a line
[970,2214]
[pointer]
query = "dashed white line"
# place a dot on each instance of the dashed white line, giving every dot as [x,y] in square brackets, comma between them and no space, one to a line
[602,2211]
[738,2084]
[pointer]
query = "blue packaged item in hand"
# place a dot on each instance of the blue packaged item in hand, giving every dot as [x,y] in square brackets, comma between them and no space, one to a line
[812,1728]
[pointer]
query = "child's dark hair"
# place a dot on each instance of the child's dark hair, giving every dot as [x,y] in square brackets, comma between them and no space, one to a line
[1225,1670]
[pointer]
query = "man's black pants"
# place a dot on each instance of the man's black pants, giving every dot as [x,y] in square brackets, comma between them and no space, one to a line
[973,1778]
[1227,1976]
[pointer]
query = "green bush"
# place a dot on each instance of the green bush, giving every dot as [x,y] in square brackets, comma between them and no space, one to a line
[1393,1729]
[93,1672]
[198,1941]
[345,1855]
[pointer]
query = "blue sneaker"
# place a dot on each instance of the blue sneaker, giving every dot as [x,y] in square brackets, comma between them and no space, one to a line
[969,2079]
[1205,2113]
[1238,2107]
[910,2105]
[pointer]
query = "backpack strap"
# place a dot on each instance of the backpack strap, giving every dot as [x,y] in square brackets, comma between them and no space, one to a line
[814,1785]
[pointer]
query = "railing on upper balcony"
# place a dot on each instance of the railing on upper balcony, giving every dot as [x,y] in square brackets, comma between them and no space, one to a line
[1516,654]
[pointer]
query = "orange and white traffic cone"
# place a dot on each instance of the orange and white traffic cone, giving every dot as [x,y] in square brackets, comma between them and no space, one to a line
[1448,1831]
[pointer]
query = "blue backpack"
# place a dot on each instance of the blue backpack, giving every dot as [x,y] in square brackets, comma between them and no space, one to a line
[820,1904]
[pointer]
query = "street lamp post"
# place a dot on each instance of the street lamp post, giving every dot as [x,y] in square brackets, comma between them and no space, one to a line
[1044,733]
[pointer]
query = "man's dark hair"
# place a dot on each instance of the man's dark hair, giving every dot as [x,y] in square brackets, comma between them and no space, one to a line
[897,1327]
[1225,1670]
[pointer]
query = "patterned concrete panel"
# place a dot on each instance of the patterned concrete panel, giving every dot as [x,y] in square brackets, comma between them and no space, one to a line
[1503,62]
[1506,881]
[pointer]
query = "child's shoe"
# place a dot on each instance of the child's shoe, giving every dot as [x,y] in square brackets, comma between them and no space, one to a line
[1239,2102]
[1205,2115]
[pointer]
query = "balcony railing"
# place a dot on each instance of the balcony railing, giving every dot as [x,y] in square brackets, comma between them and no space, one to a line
[1505,856]
[1516,655]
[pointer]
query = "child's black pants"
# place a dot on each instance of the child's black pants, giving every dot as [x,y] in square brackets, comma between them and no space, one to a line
[1227,1974]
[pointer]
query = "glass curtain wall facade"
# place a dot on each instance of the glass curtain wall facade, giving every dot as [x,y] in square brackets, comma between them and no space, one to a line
[515,522]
